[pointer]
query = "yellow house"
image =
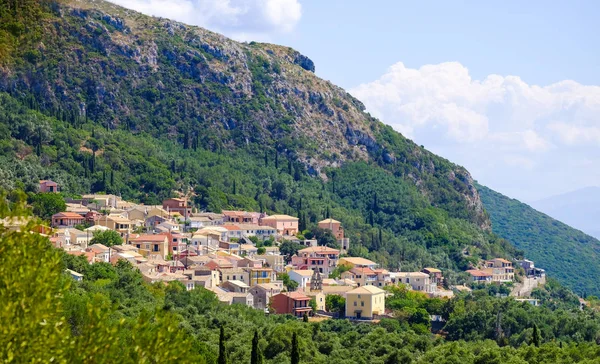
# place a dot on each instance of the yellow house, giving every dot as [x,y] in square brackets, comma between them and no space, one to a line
[364,302]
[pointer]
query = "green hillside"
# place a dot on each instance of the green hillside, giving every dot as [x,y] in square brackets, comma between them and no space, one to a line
[567,254]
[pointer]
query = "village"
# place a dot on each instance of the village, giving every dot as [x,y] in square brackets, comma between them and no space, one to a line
[236,255]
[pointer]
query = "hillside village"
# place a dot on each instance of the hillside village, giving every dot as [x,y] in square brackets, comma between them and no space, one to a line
[250,258]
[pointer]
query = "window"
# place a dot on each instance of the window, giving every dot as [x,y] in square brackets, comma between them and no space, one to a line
[354,303]
[362,303]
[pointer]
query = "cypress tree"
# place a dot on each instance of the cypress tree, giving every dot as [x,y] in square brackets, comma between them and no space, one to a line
[276,160]
[112,177]
[295,355]
[256,356]
[266,159]
[290,168]
[535,337]
[234,188]
[305,317]
[222,356]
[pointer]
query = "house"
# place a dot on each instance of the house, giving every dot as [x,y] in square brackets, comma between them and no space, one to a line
[101,252]
[249,263]
[235,286]
[273,261]
[78,237]
[502,270]
[241,217]
[198,222]
[118,223]
[260,275]
[357,262]
[76,276]
[293,303]
[530,269]
[67,219]
[177,205]
[365,302]
[248,250]
[262,232]
[321,258]
[301,276]
[334,226]
[417,281]
[242,298]
[384,278]
[263,292]
[363,276]
[478,276]
[435,275]
[151,244]
[319,298]
[47,185]
[101,202]
[215,219]
[284,224]
[231,274]
[233,231]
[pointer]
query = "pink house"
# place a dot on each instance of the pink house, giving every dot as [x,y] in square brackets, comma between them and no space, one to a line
[320,258]
[48,186]
[67,219]
[333,225]
[241,217]
[284,224]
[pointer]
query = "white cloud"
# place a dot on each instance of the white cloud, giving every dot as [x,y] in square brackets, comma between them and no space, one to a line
[501,126]
[239,19]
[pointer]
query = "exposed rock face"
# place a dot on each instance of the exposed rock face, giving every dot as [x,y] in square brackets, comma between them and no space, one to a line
[154,75]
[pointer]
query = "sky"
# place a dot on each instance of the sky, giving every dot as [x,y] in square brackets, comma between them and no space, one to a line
[508,89]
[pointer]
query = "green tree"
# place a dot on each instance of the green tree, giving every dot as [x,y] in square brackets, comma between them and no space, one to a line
[295,354]
[256,355]
[107,238]
[47,204]
[335,303]
[290,284]
[536,337]
[222,354]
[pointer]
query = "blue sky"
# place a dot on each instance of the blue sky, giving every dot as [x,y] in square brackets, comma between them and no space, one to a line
[508,89]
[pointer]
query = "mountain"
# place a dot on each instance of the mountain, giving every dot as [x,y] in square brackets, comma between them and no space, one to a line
[580,209]
[566,253]
[104,99]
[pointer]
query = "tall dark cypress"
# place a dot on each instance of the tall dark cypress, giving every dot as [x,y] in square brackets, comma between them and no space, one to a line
[222,355]
[266,158]
[535,337]
[295,355]
[234,188]
[256,356]
[276,160]
[112,177]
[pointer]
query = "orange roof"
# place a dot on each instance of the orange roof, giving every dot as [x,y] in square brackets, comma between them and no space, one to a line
[231,227]
[149,237]
[478,273]
[68,215]
[296,295]
[363,270]
[319,249]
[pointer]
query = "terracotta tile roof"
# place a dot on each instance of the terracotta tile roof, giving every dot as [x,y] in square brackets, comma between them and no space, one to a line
[367,290]
[319,249]
[478,273]
[296,295]
[149,238]
[280,217]
[329,221]
[67,215]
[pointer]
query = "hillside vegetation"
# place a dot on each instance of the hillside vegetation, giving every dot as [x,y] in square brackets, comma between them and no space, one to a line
[566,253]
[114,316]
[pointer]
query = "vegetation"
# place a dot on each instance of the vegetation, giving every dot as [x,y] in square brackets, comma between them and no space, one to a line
[47,204]
[112,315]
[107,238]
[563,251]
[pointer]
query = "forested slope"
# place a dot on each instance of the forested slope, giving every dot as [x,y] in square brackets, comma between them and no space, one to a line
[566,253]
